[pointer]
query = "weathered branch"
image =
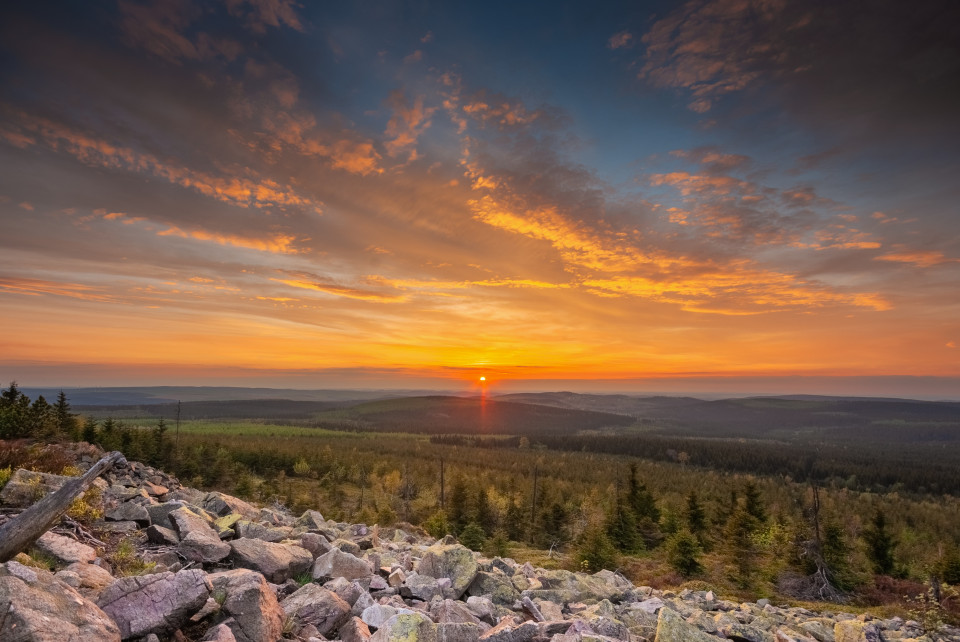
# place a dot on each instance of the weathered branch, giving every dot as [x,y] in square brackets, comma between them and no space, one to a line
[20,532]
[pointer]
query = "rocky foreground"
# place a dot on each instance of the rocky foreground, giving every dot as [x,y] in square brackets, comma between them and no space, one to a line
[222,569]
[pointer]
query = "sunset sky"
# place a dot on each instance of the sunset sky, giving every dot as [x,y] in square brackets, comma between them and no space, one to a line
[650,195]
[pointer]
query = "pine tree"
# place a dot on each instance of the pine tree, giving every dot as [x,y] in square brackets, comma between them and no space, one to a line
[457,506]
[683,553]
[483,512]
[621,527]
[595,551]
[108,434]
[640,499]
[160,442]
[739,548]
[879,544]
[515,520]
[65,420]
[753,503]
[472,536]
[89,433]
[696,518]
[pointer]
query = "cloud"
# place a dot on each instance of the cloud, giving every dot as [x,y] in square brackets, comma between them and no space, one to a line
[38,287]
[260,14]
[406,125]
[240,191]
[919,258]
[807,57]
[620,40]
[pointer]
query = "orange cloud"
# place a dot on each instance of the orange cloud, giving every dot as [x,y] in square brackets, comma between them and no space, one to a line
[341,290]
[407,123]
[234,190]
[919,258]
[280,244]
[38,287]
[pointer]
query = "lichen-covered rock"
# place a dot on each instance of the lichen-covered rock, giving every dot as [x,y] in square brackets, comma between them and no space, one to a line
[455,563]
[457,632]
[65,550]
[496,586]
[37,607]
[159,603]
[277,562]
[26,486]
[671,627]
[315,605]
[856,631]
[199,542]
[407,627]
[336,563]
[255,615]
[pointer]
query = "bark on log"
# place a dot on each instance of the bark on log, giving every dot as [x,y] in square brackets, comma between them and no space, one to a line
[23,530]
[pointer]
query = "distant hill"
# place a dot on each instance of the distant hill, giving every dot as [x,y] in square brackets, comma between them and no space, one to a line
[472,415]
[619,404]
[272,410]
[815,418]
[122,396]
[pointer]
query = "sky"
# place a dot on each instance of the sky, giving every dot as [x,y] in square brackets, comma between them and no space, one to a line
[742,195]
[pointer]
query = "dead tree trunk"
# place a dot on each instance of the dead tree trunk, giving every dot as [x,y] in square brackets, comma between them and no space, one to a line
[20,532]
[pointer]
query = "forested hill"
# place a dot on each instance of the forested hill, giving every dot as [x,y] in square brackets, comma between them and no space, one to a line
[472,415]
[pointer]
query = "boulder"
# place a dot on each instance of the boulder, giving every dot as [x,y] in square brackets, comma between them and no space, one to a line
[163,536]
[856,631]
[65,550]
[457,632]
[453,562]
[311,520]
[336,563]
[252,607]
[315,543]
[159,513]
[222,504]
[200,547]
[159,603]
[91,579]
[37,607]
[220,633]
[277,562]
[452,611]
[407,627]
[198,541]
[374,616]
[421,587]
[496,586]
[315,605]
[26,486]
[671,627]
[253,530]
[346,590]
[129,512]
[509,631]
[354,630]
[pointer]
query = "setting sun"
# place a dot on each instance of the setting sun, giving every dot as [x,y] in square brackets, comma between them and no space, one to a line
[483,378]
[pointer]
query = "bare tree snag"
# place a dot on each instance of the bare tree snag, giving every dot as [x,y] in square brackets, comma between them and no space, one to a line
[23,530]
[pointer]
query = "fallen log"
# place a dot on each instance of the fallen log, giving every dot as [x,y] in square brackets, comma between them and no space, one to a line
[23,530]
